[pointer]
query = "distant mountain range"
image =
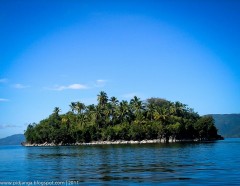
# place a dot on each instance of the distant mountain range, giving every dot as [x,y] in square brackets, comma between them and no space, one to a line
[228,125]
[15,139]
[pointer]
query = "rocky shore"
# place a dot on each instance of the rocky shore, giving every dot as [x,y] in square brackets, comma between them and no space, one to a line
[105,143]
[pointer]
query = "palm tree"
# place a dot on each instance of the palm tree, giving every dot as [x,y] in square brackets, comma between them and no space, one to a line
[134,100]
[101,109]
[172,109]
[55,118]
[56,111]
[150,110]
[136,104]
[80,107]
[137,107]
[102,98]
[108,112]
[91,112]
[123,111]
[99,112]
[83,120]
[66,120]
[73,106]
[180,108]
[160,114]
[113,100]
[113,114]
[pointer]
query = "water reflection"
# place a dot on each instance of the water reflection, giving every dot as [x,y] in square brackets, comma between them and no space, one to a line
[102,162]
[196,163]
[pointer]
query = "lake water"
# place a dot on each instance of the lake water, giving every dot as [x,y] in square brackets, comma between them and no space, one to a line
[212,163]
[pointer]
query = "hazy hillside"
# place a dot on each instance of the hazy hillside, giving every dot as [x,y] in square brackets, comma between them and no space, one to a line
[12,140]
[228,124]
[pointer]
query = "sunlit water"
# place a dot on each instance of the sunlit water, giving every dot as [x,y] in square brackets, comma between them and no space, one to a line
[213,163]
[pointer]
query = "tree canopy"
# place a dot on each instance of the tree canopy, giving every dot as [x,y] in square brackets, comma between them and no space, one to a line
[111,119]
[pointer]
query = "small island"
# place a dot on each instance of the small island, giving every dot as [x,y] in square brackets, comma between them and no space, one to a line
[112,122]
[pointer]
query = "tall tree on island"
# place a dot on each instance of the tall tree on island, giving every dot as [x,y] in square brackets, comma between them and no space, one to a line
[102,98]
[114,105]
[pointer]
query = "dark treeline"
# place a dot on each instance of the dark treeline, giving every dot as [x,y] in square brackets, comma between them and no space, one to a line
[110,119]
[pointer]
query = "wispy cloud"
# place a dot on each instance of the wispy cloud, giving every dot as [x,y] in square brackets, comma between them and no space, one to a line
[8,126]
[70,87]
[100,83]
[77,86]
[3,80]
[20,86]
[3,100]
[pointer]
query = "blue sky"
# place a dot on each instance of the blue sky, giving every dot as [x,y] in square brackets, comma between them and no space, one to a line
[55,52]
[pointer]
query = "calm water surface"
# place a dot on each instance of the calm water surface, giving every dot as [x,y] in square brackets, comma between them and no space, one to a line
[213,163]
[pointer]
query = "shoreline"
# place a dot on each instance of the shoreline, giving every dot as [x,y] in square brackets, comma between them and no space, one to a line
[117,142]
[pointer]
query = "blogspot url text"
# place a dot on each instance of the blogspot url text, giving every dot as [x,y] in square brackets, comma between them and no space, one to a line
[39,183]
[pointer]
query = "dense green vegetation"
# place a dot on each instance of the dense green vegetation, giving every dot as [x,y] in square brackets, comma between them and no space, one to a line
[228,124]
[110,119]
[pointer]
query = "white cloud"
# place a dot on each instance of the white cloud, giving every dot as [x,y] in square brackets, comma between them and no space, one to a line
[100,83]
[3,100]
[71,87]
[3,80]
[20,86]
[76,86]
